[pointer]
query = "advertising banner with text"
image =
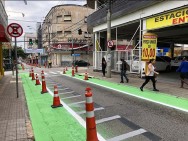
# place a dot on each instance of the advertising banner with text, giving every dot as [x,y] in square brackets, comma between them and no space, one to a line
[168,19]
[149,44]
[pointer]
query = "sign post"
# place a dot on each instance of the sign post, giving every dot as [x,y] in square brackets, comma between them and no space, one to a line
[15,30]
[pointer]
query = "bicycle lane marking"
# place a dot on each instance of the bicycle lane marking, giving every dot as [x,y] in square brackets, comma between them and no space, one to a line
[76,116]
[155,97]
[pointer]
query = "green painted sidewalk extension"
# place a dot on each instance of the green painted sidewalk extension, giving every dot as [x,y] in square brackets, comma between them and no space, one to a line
[50,124]
[157,97]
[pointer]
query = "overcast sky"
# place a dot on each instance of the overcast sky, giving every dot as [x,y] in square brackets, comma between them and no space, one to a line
[34,11]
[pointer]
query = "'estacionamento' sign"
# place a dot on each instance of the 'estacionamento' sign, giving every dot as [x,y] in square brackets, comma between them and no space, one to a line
[168,19]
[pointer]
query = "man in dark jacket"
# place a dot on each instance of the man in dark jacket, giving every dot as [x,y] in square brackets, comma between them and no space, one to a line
[123,70]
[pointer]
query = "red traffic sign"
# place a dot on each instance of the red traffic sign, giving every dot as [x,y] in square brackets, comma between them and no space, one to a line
[110,43]
[14,30]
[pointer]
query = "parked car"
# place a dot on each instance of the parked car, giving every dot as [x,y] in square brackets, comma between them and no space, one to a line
[81,63]
[176,61]
[162,64]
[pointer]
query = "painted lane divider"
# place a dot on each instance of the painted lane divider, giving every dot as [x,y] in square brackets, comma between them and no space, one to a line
[76,103]
[96,109]
[52,72]
[77,117]
[107,119]
[71,97]
[128,135]
[67,93]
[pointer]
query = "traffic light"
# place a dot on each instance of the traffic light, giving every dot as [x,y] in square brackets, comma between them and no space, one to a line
[79,31]
[30,42]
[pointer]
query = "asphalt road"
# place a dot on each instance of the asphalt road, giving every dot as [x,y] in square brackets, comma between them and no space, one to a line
[134,118]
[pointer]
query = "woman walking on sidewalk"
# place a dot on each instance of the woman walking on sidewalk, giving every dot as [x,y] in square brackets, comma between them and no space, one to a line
[103,66]
[150,75]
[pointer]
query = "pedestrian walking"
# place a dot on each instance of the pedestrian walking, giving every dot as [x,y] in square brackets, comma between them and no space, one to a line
[103,66]
[123,70]
[183,69]
[150,75]
[49,63]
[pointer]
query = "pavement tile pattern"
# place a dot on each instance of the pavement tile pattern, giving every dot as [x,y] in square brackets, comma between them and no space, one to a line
[14,118]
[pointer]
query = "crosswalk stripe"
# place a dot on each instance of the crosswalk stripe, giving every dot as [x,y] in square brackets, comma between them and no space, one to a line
[107,119]
[128,135]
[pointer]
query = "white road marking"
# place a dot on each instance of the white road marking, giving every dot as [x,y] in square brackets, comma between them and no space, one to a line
[71,97]
[107,119]
[66,93]
[52,75]
[96,109]
[77,117]
[52,72]
[59,71]
[128,135]
[77,103]
[63,89]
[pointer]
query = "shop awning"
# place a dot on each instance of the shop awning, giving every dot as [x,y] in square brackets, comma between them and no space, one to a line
[3,36]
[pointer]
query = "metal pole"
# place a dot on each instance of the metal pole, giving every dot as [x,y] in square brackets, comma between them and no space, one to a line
[49,40]
[140,38]
[108,39]
[73,51]
[16,61]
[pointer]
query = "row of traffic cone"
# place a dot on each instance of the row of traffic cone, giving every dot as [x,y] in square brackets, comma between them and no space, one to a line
[90,121]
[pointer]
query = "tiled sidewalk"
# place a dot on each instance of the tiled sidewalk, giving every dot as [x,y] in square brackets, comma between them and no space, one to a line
[14,121]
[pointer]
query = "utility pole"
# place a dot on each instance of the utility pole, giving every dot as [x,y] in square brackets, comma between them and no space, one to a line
[108,39]
[49,39]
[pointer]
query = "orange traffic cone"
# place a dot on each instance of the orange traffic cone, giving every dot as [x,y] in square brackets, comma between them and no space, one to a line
[86,76]
[64,72]
[73,71]
[66,68]
[44,90]
[30,74]
[56,101]
[76,69]
[42,72]
[33,75]
[37,80]
[90,117]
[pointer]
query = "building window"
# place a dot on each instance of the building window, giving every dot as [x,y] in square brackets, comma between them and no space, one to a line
[67,33]
[59,19]
[67,18]
[59,32]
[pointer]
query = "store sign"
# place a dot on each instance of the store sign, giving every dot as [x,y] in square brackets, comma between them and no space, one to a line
[169,19]
[149,44]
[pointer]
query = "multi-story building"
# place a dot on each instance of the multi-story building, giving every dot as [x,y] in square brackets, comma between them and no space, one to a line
[3,33]
[65,32]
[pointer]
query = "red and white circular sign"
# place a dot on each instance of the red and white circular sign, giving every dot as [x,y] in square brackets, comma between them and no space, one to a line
[110,43]
[14,30]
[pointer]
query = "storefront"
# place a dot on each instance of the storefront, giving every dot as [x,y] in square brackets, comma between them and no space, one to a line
[167,19]
[3,38]
[62,53]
